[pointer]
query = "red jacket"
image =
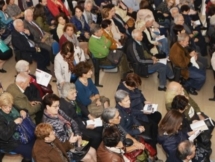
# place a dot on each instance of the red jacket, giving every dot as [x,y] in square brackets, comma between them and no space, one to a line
[54,9]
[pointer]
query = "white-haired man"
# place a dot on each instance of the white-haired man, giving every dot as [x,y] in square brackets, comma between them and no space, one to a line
[20,100]
[28,50]
[144,63]
[40,37]
[190,70]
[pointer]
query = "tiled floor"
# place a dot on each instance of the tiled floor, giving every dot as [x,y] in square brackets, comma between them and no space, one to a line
[149,88]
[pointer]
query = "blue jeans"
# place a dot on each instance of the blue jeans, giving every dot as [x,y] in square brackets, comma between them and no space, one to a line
[164,46]
[196,78]
[163,71]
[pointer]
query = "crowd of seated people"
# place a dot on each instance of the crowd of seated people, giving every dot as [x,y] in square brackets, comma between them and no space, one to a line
[137,36]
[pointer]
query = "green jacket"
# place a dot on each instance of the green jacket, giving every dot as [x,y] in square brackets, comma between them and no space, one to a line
[192,103]
[42,24]
[99,47]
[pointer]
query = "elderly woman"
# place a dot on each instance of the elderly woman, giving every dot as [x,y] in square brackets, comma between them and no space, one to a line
[70,35]
[79,113]
[65,62]
[10,118]
[130,84]
[88,94]
[13,10]
[48,148]
[111,118]
[80,23]
[111,148]
[65,127]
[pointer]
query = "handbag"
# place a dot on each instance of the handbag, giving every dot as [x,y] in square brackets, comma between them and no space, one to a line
[3,46]
[151,151]
[26,130]
[132,156]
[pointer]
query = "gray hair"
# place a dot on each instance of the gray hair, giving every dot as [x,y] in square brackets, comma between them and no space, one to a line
[182,37]
[95,29]
[88,2]
[29,10]
[108,114]
[15,22]
[66,88]
[177,17]
[120,95]
[21,66]
[184,149]
[173,8]
[135,32]
[212,20]
[22,77]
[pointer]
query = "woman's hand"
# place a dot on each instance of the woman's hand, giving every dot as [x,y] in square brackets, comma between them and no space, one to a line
[23,114]
[139,145]
[73,138]
[141,129]
[18,121]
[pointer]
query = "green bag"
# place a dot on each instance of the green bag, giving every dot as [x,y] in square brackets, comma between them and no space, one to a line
[3,46]
[142,157]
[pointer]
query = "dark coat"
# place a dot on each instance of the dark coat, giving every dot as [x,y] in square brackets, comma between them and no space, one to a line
[45,152]
[119,23]
[79,26]
[21,44]
[7,129]
[171,142]
[128,121]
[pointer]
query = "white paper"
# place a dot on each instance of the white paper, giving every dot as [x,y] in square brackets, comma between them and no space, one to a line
[163,61]
[150,108]
[191,112]
[199,125]
[192,137]
[42,77]
[193,61]
[160,37]
[96,122]
[197,22]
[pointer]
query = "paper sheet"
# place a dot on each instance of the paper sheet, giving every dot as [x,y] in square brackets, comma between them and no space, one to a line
[42,77]
[96,122]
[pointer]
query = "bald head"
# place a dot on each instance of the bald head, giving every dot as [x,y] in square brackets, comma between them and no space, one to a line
[186,150]
[175,87]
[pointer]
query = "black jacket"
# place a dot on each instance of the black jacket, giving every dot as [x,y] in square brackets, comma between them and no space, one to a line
[7,129]
[21,44]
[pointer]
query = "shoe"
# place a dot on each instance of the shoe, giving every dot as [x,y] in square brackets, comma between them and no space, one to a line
[2,71]
[192,91]
[162,89]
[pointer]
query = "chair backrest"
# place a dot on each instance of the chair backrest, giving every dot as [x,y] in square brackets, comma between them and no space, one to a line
[55,48]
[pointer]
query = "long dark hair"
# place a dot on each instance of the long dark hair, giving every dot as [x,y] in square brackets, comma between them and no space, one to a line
[171,123]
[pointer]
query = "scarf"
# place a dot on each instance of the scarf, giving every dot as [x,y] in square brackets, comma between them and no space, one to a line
[72,39]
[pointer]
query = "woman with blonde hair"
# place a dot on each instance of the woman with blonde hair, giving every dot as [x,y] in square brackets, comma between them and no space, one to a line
[10,118]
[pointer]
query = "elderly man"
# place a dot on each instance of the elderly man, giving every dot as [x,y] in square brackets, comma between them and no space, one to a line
[99,46]
[23,43]
[88,5]
[40,37]
[185,152]
[144,63]
[190,70]
[21,101]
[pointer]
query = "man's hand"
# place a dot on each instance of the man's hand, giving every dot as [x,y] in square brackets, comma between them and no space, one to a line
[26,31]
[23,114]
